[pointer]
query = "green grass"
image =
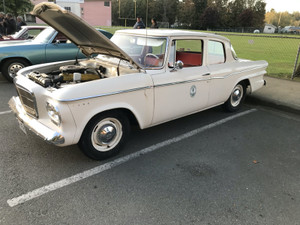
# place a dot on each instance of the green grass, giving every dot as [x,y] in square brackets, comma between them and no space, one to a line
[280,53]
[278,50]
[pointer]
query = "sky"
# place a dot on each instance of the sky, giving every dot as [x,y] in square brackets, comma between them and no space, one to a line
[283,5]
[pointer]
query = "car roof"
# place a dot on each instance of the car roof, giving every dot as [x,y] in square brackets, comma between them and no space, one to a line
[170,33]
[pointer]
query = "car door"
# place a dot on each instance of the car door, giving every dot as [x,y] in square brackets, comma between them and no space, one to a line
[222,73]
[60,48]
[181,91]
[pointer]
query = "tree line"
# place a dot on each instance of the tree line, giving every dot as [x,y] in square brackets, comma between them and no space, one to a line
[194,14]
[283,19]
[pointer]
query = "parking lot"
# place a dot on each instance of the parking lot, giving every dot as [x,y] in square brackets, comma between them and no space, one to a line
[208,168]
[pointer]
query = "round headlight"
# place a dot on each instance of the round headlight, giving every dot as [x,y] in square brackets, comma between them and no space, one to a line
[53,113]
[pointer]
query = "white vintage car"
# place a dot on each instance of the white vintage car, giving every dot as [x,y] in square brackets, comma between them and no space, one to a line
[146,77]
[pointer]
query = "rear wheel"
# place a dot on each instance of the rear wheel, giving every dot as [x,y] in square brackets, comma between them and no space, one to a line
[236,98]
[11,67]
[104,135]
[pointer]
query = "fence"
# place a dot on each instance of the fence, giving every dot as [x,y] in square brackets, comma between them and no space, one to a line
[279,51]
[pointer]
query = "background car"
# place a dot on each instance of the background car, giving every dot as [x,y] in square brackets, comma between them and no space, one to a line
[26,32]
[48,46]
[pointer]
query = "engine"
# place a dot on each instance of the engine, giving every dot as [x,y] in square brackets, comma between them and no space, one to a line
[68,74]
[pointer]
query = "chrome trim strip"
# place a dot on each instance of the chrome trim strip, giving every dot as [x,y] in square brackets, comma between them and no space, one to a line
[235,73]
[182,82]
[33,99]
[106,94]
[33,124]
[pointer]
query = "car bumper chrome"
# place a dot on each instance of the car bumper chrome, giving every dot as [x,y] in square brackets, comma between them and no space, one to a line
[34,125]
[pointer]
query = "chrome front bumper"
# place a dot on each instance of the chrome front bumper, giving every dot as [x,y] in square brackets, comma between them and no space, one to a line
[34,125]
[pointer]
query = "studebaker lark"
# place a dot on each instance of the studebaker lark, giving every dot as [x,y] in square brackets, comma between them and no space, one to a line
[146,77]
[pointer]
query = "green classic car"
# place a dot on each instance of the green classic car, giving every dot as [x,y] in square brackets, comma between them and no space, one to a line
[48,46]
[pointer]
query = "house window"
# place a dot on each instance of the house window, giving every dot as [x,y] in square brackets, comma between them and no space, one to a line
[68,8]
[106,3]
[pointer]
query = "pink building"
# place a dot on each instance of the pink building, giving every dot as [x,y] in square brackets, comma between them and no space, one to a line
[94,12]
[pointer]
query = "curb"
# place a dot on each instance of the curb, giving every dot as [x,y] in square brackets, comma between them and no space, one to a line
[253,100]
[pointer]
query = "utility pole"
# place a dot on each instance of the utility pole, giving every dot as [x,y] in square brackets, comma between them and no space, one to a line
[147,14]
[4,6]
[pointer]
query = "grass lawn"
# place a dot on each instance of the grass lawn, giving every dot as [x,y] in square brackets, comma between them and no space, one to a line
[280,52]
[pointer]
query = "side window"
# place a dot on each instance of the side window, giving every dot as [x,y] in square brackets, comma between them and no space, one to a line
[187,51]
[30,34]
[215,53]
[61,38]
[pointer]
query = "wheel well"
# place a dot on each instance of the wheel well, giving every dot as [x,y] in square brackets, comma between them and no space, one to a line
[6,59]
[245,82]
[131,117]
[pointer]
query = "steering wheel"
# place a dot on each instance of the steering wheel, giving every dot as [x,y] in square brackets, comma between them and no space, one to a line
[151,55]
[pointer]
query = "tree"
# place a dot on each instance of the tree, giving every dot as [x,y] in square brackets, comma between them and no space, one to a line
[235,7]
[163,10]
[210,18]
[270,17]
[187,11]
[259,11]
[222,8]
[246,18]
[199,7]
[18,7]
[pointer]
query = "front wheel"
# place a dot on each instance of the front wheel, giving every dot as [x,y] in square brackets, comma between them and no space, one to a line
[11,67]
[104,135]
[236,98]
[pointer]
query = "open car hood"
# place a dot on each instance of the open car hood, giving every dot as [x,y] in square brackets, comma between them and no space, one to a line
[86,37]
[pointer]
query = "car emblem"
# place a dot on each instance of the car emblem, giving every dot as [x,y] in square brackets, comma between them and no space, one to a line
[193,91]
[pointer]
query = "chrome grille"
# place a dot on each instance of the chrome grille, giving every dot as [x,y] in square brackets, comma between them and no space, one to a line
[28,101]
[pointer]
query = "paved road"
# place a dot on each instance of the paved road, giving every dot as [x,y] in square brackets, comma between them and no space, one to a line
[208,168]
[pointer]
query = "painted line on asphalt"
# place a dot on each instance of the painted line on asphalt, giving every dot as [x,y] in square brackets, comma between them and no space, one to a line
[5,112]
[88,173]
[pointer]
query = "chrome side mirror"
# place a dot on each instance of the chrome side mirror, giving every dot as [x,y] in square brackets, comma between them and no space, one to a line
[179,64]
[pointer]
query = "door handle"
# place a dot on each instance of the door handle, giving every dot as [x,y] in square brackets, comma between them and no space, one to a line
[206,74]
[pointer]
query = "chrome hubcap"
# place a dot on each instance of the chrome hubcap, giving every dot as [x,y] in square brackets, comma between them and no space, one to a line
[14,68]
[237,95]
[107,134]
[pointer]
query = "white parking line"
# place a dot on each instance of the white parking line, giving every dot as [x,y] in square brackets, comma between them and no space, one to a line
[88,173]
[5,112]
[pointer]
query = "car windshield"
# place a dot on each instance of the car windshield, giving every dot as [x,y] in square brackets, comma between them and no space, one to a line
[17,34]
[45,35]
[147,52]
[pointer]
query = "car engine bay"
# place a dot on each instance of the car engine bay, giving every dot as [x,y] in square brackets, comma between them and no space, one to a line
[83,71]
